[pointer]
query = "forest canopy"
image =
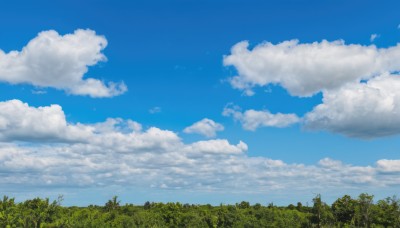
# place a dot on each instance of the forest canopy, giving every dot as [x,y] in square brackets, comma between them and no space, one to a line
[346,211]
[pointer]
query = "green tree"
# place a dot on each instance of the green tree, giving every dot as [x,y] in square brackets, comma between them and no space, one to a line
[227,216]
[147,205]
[344,209]
[364,209]
[289,218]
[243,205]
[171,213]
[321,213]
[387,212]
[299,206]
[112,204]
[7,212]
[38,211]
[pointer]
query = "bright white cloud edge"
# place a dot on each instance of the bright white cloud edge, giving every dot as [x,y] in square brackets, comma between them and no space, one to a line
[61,62]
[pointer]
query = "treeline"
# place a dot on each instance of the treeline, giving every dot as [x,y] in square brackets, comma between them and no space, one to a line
[344,212]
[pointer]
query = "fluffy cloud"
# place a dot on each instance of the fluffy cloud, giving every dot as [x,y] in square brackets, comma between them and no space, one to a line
[364,110]
[195,167]
[119,152]
[389,166]
[205,127]
[60,61]
[20,122]
[305,69]
[252,119]
[358,84]
[217,146]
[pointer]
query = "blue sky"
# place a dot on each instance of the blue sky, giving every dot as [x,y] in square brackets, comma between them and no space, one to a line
[187,118]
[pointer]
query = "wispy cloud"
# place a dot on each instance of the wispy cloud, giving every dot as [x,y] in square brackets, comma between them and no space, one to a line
[155,110]
[253,119]
[38,92]
[373,37]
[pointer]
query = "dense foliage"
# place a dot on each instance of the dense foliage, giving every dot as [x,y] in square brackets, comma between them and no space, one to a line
[344,212]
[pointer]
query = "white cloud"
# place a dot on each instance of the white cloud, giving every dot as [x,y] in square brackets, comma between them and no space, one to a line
[220,167]
[252,119]
[117,124]
[217,146]
[118,152]
[60,61]
[205,127]
[374,37]
[306,69]
[359,85]
[364,110]
[389,166]
[19,121]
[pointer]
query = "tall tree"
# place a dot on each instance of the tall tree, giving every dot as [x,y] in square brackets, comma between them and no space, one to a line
[321,213]
[344,209]
[112,204]
[364,209]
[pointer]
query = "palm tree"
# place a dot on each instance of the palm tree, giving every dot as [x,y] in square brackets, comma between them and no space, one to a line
[112,204]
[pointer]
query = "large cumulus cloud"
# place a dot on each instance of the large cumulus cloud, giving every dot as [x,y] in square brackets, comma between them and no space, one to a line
[61,62]
[307,68]
[364,110]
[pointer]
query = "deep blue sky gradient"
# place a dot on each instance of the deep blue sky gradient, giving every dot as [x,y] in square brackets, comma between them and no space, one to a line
[169,53]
